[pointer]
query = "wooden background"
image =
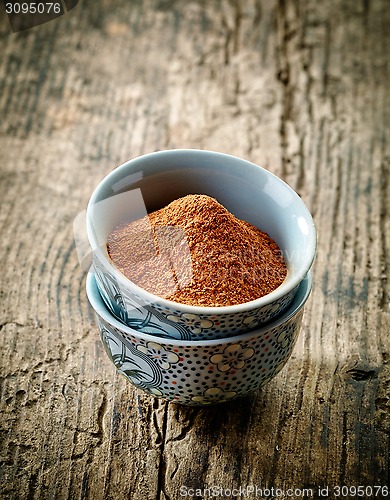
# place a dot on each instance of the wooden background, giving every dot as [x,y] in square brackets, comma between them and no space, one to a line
[299,87]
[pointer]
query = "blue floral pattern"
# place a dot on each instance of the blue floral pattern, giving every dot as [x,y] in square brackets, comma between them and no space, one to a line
[201,375]
[136,367]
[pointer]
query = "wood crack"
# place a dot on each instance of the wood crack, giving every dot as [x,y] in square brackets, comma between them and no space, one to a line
[283,77]
[162,467]
[384,219]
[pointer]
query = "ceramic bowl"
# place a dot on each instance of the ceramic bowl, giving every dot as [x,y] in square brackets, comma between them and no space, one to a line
[200,372]
[250,192]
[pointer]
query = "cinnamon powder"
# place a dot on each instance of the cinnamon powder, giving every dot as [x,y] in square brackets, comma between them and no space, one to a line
[194,251]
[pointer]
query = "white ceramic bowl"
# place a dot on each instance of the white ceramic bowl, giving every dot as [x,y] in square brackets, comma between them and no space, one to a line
[200,372]
[250,192]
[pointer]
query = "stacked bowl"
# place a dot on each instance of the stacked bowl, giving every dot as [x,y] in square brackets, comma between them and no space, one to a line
[190,354]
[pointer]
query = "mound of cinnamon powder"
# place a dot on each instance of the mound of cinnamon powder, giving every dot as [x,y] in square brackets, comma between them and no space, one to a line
[194,251]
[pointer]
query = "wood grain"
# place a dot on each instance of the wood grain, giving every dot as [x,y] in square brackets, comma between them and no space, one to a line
[300,87]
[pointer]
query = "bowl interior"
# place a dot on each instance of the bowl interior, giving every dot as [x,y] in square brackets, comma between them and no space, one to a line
[248,191]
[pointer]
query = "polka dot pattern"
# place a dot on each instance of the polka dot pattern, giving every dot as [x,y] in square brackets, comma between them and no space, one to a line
[200,374]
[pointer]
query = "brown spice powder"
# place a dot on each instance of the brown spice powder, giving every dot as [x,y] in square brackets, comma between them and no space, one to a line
[194,251]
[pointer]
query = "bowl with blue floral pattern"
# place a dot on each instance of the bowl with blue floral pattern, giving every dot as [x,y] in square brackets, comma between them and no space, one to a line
[199,372]
[249,192]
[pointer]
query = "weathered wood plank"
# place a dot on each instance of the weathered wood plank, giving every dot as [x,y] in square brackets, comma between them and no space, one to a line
[299,87]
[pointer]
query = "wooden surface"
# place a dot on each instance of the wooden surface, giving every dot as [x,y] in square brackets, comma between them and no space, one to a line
[299,87]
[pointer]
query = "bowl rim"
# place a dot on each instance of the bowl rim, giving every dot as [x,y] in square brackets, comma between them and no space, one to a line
[150,298]
[100,308]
